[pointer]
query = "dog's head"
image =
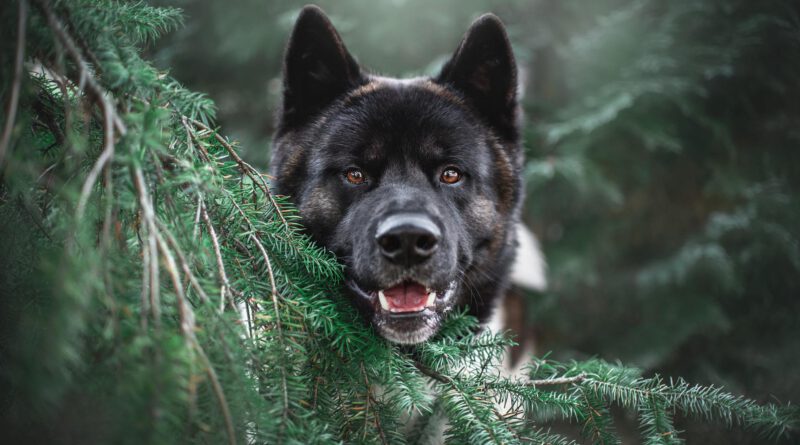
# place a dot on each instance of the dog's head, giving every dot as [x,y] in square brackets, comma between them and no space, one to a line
[414,184]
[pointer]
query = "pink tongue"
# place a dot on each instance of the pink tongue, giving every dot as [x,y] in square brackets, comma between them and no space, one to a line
[406,297]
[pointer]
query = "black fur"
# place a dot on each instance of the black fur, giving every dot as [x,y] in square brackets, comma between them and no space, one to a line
[402,134]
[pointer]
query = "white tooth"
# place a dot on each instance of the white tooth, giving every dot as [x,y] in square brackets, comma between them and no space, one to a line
[431,299]
[383,300]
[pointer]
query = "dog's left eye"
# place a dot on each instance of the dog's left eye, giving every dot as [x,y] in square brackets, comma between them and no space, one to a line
[450,175]
[355,176]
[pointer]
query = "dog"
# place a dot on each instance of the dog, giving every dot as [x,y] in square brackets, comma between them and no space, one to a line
[414,184]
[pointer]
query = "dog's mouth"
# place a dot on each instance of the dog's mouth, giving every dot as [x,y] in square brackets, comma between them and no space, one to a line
[408,297]
[407,312]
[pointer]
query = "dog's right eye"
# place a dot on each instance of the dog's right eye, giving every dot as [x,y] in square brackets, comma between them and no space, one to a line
[355,176]
[450,175]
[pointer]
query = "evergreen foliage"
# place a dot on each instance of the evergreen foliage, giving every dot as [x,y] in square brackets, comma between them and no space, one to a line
[132,234]
[664,181]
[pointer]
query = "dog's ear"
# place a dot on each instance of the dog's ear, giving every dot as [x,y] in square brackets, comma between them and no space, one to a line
[483,69]
[316,69]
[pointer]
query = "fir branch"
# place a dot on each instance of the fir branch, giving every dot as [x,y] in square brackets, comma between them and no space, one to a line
[173,243]
[247,169]
[464,402]
[152,245]
[225,288]
[441,378]
[597,420]
[556,381]
[709,403]
[276,308]
[656,424]
[218,391]
[186,314]
[376,416]
[192,142]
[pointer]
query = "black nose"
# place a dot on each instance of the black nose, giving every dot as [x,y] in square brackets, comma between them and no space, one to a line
[407,238]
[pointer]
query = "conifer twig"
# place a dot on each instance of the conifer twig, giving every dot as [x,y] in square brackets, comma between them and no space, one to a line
[366,410]
[452,384]
[556,381]
[191,141]
[217,253]
[218,392]
[186,314]
[13,100]
[247,169]
[184,263]
[441,378]
[146,275]
[150,243]
[274,295]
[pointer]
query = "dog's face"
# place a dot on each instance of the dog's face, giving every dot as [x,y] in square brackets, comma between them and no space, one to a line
[413,183]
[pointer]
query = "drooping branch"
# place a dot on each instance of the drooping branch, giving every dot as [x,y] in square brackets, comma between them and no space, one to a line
[186,314]
[183,261]
[226,286]
[247,169]
[274,296]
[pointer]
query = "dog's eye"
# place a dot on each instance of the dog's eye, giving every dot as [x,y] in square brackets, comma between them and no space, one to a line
[450,175]
[355,176]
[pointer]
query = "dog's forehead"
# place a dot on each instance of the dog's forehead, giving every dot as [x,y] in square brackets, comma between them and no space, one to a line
[388,115]
[405,86]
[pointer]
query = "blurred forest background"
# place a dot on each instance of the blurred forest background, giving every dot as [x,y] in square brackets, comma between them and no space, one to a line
[663,161]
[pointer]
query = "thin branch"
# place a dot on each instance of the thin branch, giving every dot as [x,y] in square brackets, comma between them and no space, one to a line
[184,263]
[191,140]
[104,159]
[13,101]
[274,295]
[107,220]
[557,381]
[152,242]
[366,406]
[366,411]
[146,275]
[196,225]
[218,254]
[187,327]
[452,383]
[247,169]
[185,311]
[441,378]
[218,392]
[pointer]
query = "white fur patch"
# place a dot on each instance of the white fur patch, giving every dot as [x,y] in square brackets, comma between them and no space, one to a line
[529,270]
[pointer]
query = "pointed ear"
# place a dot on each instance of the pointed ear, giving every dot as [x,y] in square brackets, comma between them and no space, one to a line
[483,69]
[316,69]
